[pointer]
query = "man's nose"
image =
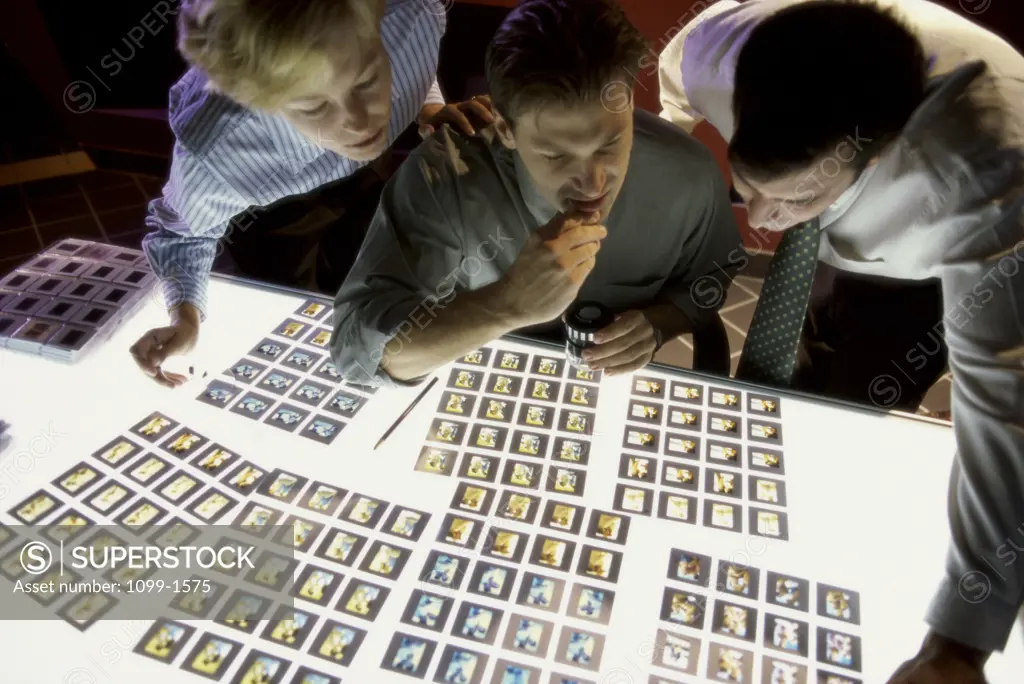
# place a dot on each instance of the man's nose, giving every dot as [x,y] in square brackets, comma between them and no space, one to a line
[759,213]
[591,181]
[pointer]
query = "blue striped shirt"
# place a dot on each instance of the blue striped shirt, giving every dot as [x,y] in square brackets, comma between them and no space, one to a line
[228,158]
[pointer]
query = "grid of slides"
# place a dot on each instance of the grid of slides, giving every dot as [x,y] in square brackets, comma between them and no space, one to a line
[511,577]
[754,619]
[506,412]
[709,454]
[341,552]
[289,381]
[72,296]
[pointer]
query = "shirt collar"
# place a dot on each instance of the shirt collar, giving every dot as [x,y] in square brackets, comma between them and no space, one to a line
[850,194]
[941,90]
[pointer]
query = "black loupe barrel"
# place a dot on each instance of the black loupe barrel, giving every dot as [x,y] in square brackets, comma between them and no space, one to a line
[582,320]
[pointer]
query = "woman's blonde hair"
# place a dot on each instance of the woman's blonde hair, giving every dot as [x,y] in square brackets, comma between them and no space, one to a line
[263,53]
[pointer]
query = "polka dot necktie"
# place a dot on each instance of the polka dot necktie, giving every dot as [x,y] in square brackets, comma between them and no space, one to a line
[769,352]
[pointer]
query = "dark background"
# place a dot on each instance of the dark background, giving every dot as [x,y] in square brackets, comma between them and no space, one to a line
[61,56]
[52,52]
[89,36]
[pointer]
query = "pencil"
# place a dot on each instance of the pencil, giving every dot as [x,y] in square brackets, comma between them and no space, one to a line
[406,412]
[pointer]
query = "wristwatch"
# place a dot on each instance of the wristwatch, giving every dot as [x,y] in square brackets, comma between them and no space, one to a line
[659,338]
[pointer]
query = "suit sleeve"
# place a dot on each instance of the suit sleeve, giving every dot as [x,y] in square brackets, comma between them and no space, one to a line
[983,589]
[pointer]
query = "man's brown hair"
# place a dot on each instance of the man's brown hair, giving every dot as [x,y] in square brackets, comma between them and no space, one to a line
[562,52]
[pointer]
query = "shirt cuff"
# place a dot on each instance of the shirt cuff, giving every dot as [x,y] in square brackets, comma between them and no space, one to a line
[175,293]
[984,624]
[434,95]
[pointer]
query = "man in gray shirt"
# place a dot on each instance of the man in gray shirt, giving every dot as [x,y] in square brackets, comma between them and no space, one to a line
[574,196]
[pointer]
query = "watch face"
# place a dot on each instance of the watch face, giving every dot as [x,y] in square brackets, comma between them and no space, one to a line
[658,339]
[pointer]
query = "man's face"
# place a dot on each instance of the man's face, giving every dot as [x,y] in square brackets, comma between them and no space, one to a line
[577,156]
[350,115]
[780,203]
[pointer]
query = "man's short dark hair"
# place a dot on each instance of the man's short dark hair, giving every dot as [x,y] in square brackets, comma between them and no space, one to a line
[562,52]
[813,74]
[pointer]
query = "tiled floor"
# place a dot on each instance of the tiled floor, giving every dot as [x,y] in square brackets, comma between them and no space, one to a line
[110,206]
[737,313]
[99,205]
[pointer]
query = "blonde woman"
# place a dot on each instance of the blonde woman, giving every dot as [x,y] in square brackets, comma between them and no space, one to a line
[278,122]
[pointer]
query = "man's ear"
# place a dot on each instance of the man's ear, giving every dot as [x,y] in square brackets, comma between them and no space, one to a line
[504,130]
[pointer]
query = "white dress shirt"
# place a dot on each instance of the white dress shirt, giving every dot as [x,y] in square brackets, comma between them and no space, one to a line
[929,207]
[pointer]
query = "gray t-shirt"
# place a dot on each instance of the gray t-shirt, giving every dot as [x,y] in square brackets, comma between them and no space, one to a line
[459,210]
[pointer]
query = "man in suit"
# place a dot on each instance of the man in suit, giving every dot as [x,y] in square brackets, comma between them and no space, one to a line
[886,140]
[281,124]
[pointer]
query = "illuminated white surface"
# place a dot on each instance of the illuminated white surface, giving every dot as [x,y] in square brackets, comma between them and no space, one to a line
[866,505]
